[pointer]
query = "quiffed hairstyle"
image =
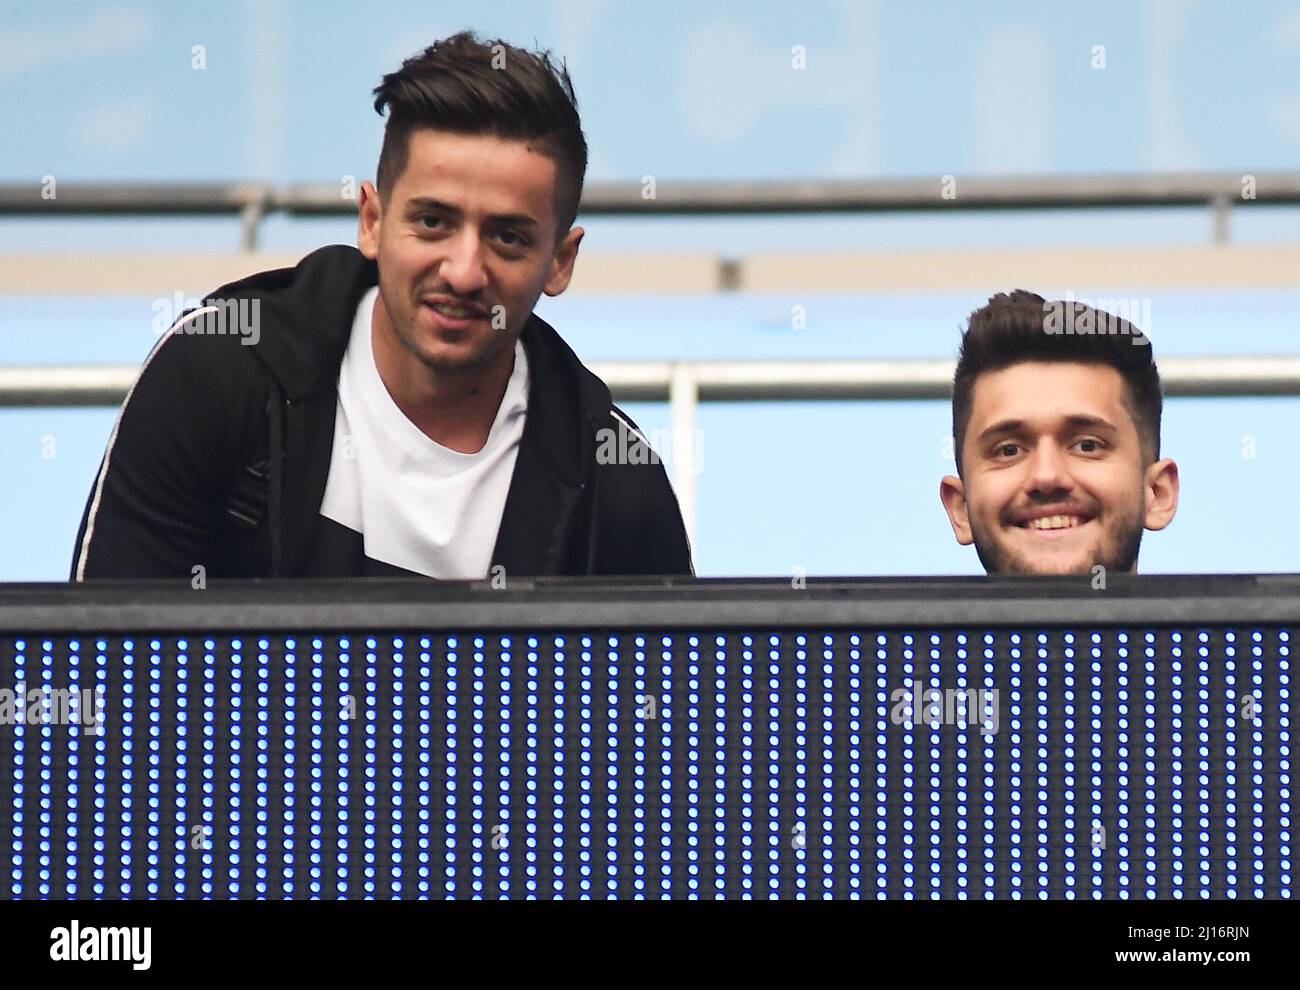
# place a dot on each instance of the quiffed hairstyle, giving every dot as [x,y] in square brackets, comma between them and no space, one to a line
[467,86]
[1022,326]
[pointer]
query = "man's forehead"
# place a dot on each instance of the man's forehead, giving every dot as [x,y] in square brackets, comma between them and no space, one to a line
[1043,391]
[507,175]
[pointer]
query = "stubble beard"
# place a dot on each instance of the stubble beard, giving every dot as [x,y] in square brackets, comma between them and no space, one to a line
[1117,554]
[473,361]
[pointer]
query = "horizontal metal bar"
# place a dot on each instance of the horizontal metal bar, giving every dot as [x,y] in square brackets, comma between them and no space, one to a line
[948,192]
[586,604]
[668,196]
[125,198]
[68,385]
[722,381]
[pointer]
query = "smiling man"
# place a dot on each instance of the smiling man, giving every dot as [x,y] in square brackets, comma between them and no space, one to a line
[1056,430]
[401,410]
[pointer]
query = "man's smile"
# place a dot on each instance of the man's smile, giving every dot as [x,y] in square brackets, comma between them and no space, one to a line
[452,314]
[1053,524]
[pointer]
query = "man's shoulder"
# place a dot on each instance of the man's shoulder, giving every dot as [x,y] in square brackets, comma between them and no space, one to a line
[637,499]
[293,323]
[210,342]
[557,369]
[627,451]
[558,373]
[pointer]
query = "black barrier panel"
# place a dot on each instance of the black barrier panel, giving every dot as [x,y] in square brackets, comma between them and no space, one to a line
[1137,761]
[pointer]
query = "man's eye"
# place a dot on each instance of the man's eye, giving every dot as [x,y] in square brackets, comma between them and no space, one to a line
[512,239]
[430,221]
[1006,450]
[1090,446]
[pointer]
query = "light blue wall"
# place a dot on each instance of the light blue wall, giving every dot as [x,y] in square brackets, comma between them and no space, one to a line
[674,89]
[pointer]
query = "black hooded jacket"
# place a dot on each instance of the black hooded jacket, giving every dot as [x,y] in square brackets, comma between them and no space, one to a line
[221,452]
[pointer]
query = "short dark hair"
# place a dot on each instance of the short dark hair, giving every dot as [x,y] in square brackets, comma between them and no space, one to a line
[468,86]
[1021,326]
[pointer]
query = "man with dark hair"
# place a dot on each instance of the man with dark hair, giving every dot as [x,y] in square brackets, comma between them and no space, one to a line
[402,410]
[1056,431]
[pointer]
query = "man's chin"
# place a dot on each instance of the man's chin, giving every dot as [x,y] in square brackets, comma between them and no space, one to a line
[1003,560]
[1052,568]
[456,357]
[1006,560]
[445,363]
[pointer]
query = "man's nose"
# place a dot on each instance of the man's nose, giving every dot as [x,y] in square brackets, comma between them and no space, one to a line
[1049,472]
[463,269]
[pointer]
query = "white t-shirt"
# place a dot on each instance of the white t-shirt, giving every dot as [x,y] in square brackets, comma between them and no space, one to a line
[418,505]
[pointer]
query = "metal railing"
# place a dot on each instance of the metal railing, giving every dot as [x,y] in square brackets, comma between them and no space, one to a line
[252,201]
[684,385]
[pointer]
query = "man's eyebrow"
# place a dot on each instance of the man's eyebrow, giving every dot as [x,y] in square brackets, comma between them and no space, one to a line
[1077,422]
[429,203]
[1082,421]
[999,428]
[421,204]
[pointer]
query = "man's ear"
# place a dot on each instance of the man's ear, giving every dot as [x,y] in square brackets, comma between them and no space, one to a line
[952,493]
[566,253]
[370,211]
[1160,491]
